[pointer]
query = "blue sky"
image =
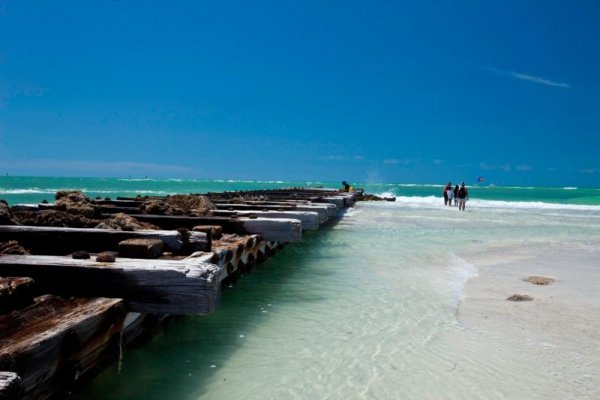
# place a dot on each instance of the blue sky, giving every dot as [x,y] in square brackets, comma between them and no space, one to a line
[364,91]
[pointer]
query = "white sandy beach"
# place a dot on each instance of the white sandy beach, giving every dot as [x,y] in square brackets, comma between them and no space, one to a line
[548,348]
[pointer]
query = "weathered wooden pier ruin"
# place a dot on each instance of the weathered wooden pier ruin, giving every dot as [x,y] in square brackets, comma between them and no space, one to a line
[81,278]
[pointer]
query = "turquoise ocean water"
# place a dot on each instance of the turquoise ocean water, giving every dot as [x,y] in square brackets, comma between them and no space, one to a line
[366,308]
[34,189]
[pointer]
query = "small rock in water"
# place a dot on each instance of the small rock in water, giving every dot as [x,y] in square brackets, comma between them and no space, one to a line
[520,297]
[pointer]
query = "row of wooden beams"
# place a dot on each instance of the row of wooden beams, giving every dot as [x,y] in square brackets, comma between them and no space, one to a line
[159,286]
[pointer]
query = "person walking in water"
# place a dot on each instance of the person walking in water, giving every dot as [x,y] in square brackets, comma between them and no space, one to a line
[463,196]
[456,195]
[450,196]
[445,193]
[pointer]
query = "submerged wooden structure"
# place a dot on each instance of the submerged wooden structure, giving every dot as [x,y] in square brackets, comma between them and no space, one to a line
[71,297]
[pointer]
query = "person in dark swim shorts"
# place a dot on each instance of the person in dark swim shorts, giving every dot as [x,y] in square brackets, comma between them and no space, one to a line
[463,196]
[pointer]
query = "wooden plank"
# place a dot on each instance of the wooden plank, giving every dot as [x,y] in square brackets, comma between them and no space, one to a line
[274,229]
[310,220]
[161,286]
[10,386]
[321,209]
[56,340]
[301,205]
[61,241]
[339,201]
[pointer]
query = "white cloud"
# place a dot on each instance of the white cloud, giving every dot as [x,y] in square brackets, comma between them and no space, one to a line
[438,162]
[523,167]
[119,167]
[532,78]
[400,161]
[334,157]
[589,170]
[539,80]
[506,167]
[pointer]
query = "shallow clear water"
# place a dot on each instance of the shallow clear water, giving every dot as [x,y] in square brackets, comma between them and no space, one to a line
[362,310]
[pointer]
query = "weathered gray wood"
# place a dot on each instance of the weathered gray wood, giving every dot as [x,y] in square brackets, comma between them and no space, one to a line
[161,286]
[10,386]
[330,210]
[255,206]
[60,241]
[274,229]
[56,340]
[339,201]
[310,220]
[325,210]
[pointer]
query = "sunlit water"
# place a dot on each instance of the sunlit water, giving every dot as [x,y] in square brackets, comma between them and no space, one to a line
[360,310]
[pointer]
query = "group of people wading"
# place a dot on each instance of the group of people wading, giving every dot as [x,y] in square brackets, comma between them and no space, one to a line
[459,195]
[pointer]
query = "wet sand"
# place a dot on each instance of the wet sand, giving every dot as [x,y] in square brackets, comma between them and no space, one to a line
[547,348]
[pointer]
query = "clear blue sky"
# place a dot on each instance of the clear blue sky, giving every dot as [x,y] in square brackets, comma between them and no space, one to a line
[392,91]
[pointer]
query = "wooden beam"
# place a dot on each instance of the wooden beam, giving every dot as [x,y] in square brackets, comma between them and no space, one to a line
[322,209]
[61,241]
[161,286]
[56,340]
[274,229]
[310,220]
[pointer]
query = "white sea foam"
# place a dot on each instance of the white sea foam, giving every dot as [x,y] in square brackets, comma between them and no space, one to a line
[436,202]
[530,205]
[461,271]
[26,191]
[84,190]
